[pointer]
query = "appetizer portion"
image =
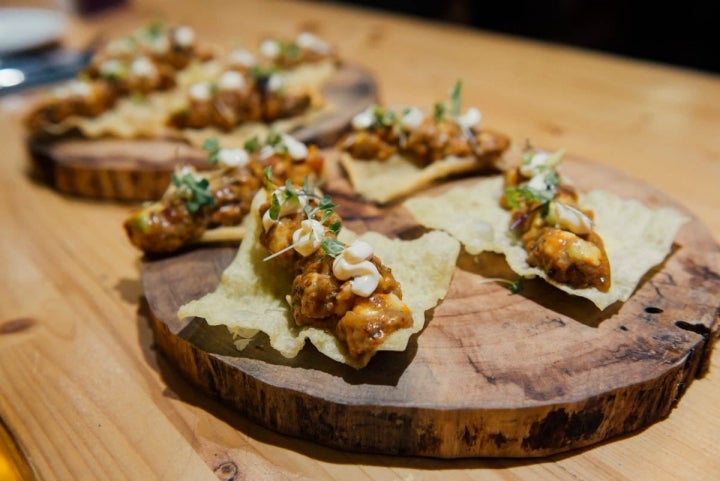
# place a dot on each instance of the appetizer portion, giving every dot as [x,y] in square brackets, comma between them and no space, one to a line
[557,234]
[298,277]
[123,71]
[594,245]
[209,206]
[160,82]
[391,153]
[235,99]
[344,289]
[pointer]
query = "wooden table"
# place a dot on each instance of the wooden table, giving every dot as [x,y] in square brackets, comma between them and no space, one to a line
[85,393]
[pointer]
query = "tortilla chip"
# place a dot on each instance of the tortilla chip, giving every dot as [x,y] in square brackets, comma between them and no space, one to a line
[251,295]
[636,238]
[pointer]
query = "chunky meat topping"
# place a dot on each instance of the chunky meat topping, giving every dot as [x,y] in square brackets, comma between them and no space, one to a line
[556,233]
[221,197]
[321,295]
[379,133]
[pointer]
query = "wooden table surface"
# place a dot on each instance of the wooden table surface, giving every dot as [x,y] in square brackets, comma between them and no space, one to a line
[86,395]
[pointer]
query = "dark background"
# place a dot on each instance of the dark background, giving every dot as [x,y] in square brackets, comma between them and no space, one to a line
[682,33]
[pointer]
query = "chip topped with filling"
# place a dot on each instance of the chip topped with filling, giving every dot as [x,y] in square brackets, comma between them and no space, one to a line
[210,205]
[298,277]
[393,152]
[160,82]
[504,216]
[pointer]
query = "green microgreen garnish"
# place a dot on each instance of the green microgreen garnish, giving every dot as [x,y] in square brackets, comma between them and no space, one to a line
[252,145]
[154,30]
[513,286]
[335,227]
[212,147]
[194,190]
[332,246]
[291,50]
[451,109]
[384,117]
[439,111]
[517,197]
[274,139]
[258,72]
[456,99]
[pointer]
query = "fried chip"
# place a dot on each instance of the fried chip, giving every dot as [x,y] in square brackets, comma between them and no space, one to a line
[146,116]
[636,238]
[386,180]
[251,296]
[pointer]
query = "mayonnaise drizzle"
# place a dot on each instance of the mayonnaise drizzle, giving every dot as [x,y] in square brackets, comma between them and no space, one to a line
[231,80]
[184,36]
[143,67]
[353,264]
[309,237]
[233,157]
[288,206]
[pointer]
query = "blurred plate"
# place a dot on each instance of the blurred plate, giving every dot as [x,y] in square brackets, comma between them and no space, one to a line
[26,28]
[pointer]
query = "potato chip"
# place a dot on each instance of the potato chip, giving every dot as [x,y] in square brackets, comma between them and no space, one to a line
[251,296]
[397,176]
[636,237]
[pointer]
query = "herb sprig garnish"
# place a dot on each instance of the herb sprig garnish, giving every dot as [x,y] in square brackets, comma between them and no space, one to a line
[195,191]
[325,208]
[212,147]
[513,286]
[442,110]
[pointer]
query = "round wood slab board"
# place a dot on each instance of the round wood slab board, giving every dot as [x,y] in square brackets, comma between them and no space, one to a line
[136,170]
[492,373]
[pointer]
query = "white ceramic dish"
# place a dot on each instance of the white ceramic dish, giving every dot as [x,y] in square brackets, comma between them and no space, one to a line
[26,28]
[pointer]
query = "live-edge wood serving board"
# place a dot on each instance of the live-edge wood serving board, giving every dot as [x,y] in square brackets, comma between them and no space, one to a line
[139,169]
[492,374]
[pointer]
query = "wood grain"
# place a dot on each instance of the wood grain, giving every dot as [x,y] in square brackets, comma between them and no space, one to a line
[492,374]
[139,169]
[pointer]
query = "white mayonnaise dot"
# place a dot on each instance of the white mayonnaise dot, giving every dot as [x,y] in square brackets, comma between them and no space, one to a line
[78,88]
[358,251]
[275,83]
[412,118]
[308,238]
[572,219]
[200,91]
[184,36]
[312,42]
[160,45]
[470,118]
[538,162]
[352,264]
[120,46]
[289,206]
[233,157]
[538,182]
[364,119]
[242,57]
[231,80]
[270,48]
[143,67]
[295,148]
[111,67]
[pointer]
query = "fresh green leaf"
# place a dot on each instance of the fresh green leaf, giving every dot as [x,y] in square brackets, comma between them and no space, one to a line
[212,147]
[456,99]
[335,227]
[274,207]
[516,286]
[439,111]
[332,246]
[252,145]
[195,191]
